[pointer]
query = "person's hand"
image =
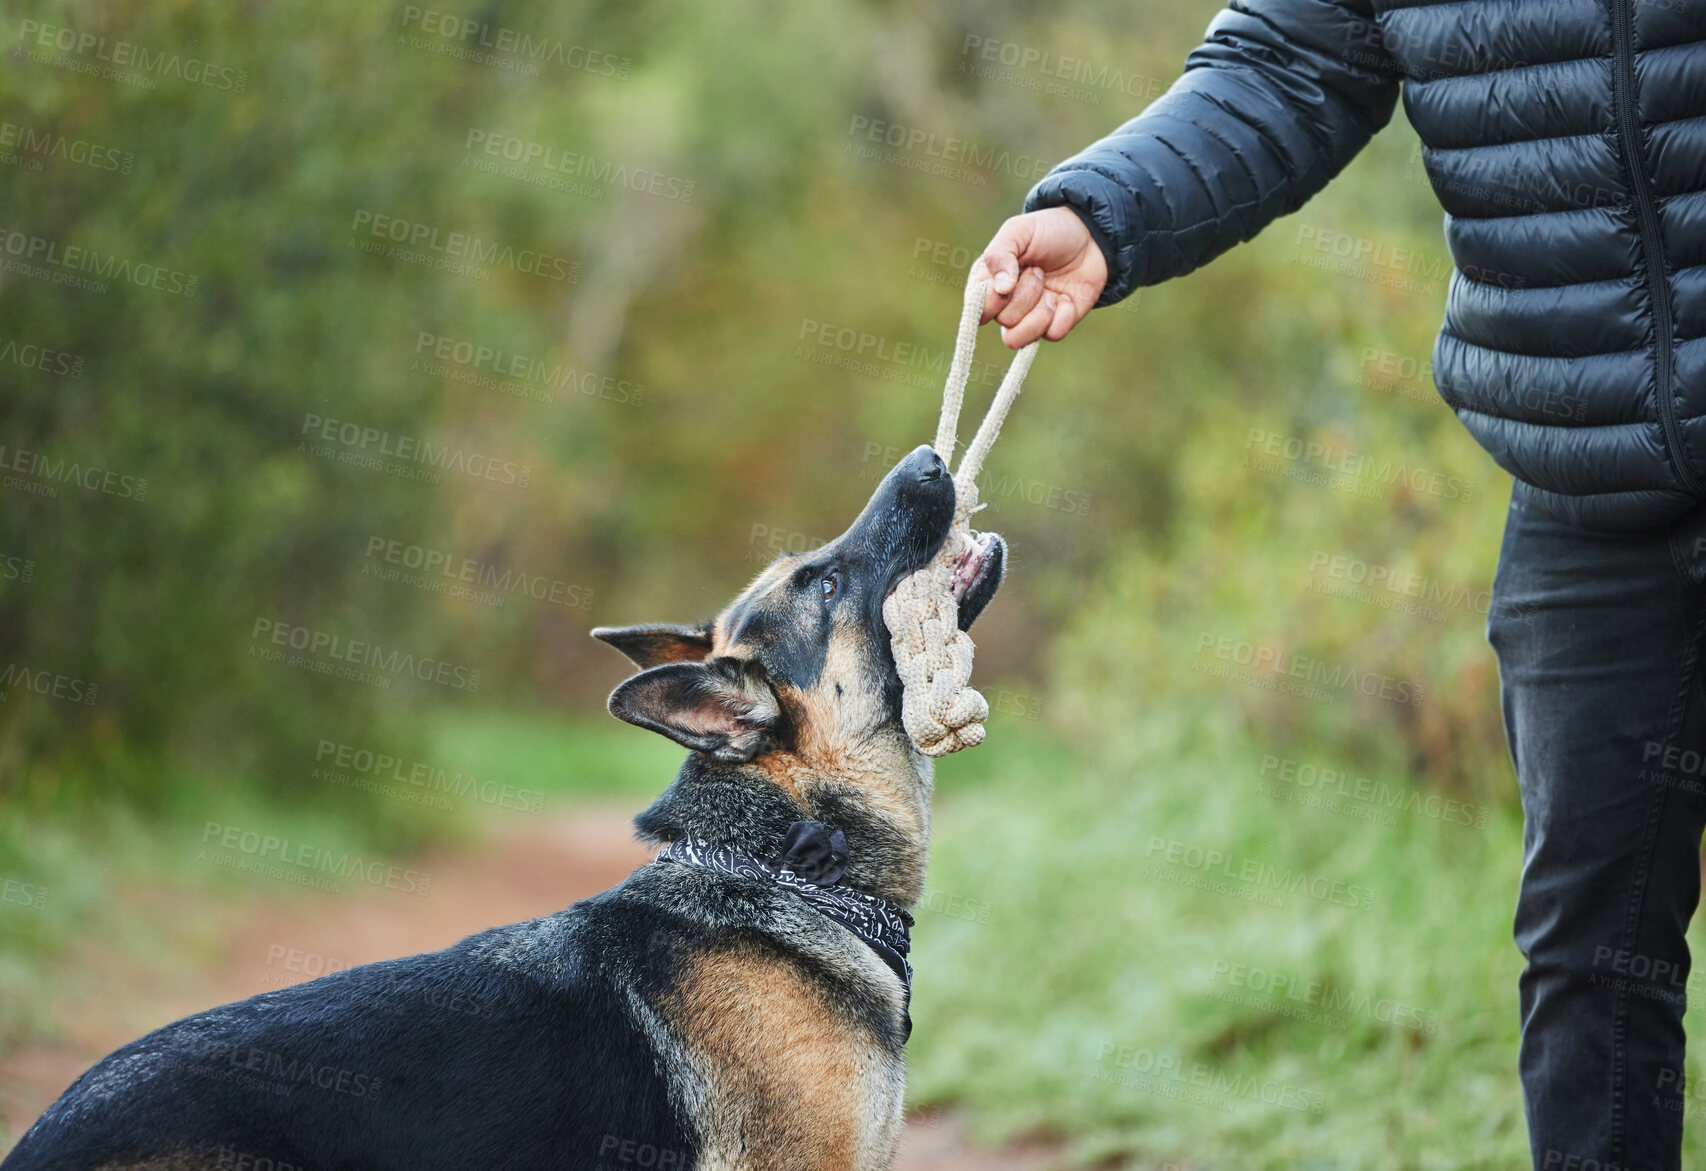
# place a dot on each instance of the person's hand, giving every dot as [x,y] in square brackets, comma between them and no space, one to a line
[1046,271]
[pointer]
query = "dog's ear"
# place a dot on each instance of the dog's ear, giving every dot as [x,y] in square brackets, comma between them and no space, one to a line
[723,707]
[647,646]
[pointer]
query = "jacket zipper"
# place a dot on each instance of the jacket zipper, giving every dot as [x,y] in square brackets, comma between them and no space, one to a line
[1652,245]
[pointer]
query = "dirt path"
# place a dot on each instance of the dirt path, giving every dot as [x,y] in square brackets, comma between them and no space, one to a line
[216,954]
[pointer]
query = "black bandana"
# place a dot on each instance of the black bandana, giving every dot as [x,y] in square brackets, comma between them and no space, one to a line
[885,927]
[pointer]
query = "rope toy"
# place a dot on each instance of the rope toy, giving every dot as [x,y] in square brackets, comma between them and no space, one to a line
[941,711]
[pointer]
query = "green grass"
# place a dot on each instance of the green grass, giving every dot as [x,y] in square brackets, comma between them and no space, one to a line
[1088,997]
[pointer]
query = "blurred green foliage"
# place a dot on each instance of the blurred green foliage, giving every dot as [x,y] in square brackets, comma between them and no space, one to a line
[762,292]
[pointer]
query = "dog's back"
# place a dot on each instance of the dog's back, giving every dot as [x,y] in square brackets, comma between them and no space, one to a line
[529,1033]
[671,1022]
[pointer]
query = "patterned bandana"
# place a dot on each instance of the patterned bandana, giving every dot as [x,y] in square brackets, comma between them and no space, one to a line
[885,927]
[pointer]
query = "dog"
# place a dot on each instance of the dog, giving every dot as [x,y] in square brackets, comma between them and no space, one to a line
[741,1002]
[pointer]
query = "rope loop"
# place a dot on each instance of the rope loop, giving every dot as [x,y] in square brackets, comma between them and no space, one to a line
[942,712]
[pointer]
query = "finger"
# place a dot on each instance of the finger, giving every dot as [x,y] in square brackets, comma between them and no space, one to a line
[1002,255]
[993,302]
[1024,299]
[1000,263]
[994,298]
[1017,337]
[1066,315]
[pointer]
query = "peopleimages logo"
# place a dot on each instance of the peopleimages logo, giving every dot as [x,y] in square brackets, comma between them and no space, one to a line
[979,55]
[333,654]
[1168,1075]
[37,357]
[1275,668]
[49,144]
[45,258]
[1284,992]
[442,571]
[130,55]
[355,767]
[14,567]
[1256,873]
[947,151]
[479,40]
[531,160]
[1393,588]
[370,447]
[413,236]
[516,374]
[1357,469]
[908,363]
[48,473]
[239,841]
[1311,784]
[53,684]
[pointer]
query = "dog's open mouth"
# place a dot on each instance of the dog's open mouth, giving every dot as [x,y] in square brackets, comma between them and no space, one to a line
[977,575]
[973,564]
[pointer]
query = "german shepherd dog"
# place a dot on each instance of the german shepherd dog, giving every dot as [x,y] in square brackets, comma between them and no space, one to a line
[729,1006]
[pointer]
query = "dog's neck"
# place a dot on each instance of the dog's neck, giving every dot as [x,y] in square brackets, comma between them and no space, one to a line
[879,797]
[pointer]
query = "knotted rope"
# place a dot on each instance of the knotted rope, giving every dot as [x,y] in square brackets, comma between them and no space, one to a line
[941,711]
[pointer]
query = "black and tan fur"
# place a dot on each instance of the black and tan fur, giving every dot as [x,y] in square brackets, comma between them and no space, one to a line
[683,1019]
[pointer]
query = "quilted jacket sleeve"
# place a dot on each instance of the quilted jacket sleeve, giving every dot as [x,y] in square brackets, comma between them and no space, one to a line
[1275,101]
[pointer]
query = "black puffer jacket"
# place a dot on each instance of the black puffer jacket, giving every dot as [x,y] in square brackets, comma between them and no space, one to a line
[1567,142]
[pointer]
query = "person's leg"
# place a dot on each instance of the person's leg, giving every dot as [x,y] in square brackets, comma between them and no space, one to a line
[1598,640]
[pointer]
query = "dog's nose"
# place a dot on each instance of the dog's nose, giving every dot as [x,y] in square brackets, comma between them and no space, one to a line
[934,468]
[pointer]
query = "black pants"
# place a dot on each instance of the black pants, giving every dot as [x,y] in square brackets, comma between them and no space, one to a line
[1598,639]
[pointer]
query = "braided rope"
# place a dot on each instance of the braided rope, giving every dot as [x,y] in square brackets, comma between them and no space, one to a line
[941,711]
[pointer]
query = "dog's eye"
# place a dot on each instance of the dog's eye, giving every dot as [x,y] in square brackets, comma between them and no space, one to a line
[830,586]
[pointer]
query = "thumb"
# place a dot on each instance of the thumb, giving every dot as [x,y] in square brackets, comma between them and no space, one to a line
[1001,282]
[1001,271]
[1004,272]
[1000,260]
